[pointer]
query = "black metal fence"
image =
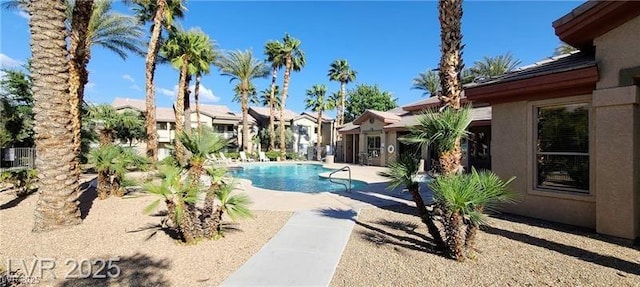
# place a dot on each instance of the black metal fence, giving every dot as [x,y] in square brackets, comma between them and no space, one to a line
[17,157]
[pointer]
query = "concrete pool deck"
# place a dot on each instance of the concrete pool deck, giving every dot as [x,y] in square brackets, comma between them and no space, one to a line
[307,250]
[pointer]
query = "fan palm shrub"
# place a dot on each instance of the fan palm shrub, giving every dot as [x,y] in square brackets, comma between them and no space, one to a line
[198,146]
[461,201]
[404,172]
[112,162]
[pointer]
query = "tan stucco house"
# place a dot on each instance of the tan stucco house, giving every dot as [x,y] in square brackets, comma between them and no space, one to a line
[569,127]
[374,137]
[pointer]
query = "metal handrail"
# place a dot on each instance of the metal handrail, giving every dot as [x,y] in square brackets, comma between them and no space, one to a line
[345,168]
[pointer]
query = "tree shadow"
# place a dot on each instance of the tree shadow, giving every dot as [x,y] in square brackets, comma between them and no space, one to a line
[390,198]
[136,270]
[154,228]
[406,237]
[86,198]
[579,253]
[17,200]
[567,228]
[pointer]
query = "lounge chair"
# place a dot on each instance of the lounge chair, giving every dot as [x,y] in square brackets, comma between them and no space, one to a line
[244,158]
[263,156]
[225,159]
[211,159]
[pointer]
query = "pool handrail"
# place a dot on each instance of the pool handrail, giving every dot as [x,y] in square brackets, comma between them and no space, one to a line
[345,168]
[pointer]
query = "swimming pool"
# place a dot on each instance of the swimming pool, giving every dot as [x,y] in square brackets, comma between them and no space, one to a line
[292,177]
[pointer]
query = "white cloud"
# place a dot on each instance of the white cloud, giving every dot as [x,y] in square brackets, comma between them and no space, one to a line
[135,87]
[206,95]
[90,85]
[23,14]
[128,78]
[8,62]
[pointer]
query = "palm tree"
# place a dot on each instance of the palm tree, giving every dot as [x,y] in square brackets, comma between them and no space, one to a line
[450,15]
[404,171]
[188,51]
[59,184]
[341,72]
[294,60]
[111,162]
[443,130]
[203,66]
[316,101]
[427,82]
[494,66]
[273,51]
[564,48]
[109,122]
[265,98]
[241,66]
[161,13]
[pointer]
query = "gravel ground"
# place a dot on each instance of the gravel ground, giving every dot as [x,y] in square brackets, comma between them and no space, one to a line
[118,228]
[389,248]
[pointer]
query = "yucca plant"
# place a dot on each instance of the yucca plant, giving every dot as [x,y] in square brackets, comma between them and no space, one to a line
[112,162]
[443,129]
[462,200]
[404,171]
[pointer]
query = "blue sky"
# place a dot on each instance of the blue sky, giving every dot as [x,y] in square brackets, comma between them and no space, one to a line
[388,43]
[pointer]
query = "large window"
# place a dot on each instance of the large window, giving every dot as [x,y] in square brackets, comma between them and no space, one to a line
[562,147]
[373,146]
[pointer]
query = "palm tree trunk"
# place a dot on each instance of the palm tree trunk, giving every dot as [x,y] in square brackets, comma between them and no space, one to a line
[319,136]
[450,160]
[245,118]
[103,185]
[283,100]
[343,96]
[272,106]
[196,96]
[56,157]
[150,69]
[78,53]
[179,113]
[451,51]
[455,236]
[187,104]
[425,216]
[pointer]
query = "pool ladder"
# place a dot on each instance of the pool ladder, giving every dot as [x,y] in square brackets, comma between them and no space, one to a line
[345,168]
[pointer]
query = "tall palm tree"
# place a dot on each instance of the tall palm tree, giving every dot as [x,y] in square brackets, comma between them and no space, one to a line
[207,57]
[59,185]
[427,82]
[564,48]
[494,66]
[273,51]
[265,98]
[241,66]
[294,60]
[450,15]
[187,51]
[161,13]
[78,60]
[340,71]
[317,102]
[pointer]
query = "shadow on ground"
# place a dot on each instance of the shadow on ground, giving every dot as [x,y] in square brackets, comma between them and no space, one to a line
[17,200]
[135,270]
[579,253]
[86,198]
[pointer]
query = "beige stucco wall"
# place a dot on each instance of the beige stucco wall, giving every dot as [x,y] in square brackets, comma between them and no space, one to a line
[392,139]
[512,137]
[617,49]
[372,129]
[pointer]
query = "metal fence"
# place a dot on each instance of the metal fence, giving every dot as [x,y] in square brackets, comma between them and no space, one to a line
[17,157]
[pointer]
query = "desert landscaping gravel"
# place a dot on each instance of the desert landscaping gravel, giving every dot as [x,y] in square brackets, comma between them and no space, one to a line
[118,228]
[390,248]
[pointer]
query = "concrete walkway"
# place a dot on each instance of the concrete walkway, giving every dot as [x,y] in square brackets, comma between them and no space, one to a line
[305,252]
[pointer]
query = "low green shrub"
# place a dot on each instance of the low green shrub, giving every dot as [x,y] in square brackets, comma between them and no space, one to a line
[24,180]
[272,155]
[233,155]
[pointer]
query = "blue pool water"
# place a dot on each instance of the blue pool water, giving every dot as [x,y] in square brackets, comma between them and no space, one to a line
[292,177]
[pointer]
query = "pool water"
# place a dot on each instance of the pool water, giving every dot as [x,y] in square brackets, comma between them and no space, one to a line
[292,177]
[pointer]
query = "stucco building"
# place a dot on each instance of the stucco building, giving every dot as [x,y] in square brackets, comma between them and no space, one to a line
[568,128]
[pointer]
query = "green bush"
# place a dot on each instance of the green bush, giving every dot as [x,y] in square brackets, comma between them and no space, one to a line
[232,155]
[22,179]
[272,155]
[293,156]
[170,160]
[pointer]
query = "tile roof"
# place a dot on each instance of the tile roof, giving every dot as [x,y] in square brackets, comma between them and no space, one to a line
[264,112]
[386,117]
[562,63]
[348,127]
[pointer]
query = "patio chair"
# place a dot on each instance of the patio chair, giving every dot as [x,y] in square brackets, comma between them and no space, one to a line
[211,159]
[244,158]
[263,156]
[225,159]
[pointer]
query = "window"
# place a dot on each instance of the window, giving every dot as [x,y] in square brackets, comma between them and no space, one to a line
[161,126]
[562,147]
[373,146]
[172,126]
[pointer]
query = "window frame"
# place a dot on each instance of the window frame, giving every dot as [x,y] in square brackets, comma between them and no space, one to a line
[378,149]
[534,153]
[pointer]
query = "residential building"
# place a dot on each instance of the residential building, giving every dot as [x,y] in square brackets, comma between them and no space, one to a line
[568,127]
[375,137]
